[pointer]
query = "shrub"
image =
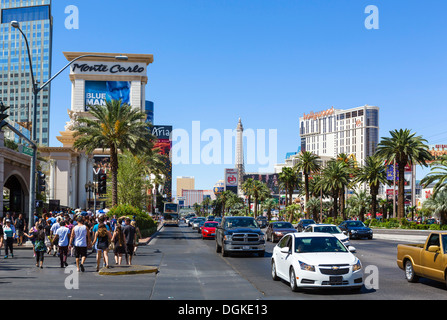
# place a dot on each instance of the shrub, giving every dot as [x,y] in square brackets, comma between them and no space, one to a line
[144,222]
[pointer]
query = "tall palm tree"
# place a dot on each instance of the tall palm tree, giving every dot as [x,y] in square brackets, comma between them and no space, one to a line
[438,172]
[351,166]
[246,188]
[403,148]
[360,201]
[313,206]
[260,192]
[116,127]
[307,164]
[289,179]
[269,204]
[373,173]
[335,177]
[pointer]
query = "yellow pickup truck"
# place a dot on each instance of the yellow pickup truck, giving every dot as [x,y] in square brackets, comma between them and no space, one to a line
[427,260]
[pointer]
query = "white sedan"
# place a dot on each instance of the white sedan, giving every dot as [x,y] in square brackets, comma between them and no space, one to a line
[315,260]
[329,228]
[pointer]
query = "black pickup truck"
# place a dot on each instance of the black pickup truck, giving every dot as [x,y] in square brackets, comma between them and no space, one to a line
[239,234]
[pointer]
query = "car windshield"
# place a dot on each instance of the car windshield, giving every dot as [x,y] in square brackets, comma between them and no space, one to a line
[307,221]
[283,225]
[328,229]
[355,224]
[241,223]
[211,224]
[318,244]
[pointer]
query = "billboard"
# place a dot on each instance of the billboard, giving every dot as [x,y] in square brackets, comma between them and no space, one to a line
[100,92]
[437,151]
[270,179]
[231,180]
[164,144]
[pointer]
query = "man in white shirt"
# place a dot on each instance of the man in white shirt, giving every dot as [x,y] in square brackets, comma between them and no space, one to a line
[80,239]
[63,233]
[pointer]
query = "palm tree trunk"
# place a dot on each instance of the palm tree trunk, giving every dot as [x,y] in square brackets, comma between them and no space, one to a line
[335,212]
[401,192]
[374,192]
[114,170]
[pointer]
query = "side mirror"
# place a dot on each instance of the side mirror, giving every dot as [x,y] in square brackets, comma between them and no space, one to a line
[285,250]
[433,249]
[352,249]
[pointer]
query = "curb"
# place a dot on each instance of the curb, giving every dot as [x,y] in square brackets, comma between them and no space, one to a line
[125,270]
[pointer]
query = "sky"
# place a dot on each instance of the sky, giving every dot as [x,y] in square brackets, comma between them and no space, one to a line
[267,62]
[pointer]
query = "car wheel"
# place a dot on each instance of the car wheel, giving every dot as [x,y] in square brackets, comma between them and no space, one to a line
[293,284]
[274,275]
[223,251]
[409,272]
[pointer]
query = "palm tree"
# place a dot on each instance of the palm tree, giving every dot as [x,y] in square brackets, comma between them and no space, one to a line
[335,177]
[289,179]
[116,127]
[269,204]
[260,192]
[351,166]
[246,188]
[438,205]
[373,173]
[313,206]
[307,164]
[438,172]
[359,202]
[403,148]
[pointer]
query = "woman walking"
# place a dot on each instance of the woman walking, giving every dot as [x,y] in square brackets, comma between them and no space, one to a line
[102,238]
[120,245]
[39,246]
[9,235]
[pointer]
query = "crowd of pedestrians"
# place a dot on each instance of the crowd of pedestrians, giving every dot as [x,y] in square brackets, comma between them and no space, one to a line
[70,234]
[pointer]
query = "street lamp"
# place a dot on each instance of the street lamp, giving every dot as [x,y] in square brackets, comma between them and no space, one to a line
[36,90]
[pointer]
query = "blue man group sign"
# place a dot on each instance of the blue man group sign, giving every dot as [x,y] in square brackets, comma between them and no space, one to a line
[99,92]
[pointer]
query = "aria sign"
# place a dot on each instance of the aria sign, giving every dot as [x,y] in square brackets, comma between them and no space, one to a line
[108,68]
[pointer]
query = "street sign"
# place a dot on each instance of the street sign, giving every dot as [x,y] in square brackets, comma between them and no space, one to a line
[28,151]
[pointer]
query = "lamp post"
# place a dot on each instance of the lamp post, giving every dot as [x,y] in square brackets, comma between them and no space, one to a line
[36,90]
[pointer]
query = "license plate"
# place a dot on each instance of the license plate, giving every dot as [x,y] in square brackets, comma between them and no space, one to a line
[246,247]
[336,280]
[213,234]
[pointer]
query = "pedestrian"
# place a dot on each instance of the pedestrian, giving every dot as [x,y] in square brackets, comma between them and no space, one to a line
[1,236]
[130,237]
[39,246]
[47,228]
[9,233]
[101,241]
[63,234]
[120,244]
[137,236]
[20,225]
[53,230]
[80,238]
[32,234]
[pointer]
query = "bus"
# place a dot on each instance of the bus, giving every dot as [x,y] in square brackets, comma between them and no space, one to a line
[171,214]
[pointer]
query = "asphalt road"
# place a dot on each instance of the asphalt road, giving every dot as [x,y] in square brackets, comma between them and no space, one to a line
[191,266]
[191,270]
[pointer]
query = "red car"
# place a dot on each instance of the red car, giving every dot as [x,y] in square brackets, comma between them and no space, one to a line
[209,229]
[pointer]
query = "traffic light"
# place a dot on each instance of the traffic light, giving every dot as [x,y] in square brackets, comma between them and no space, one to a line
[102,183]
[3,115]
[41,182]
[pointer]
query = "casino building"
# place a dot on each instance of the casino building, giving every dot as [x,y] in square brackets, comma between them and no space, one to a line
[333,131]
[93,81]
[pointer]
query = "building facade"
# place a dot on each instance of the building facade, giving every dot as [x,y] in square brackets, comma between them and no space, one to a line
[186,183]
[334,131]
[94,81]
[34,17]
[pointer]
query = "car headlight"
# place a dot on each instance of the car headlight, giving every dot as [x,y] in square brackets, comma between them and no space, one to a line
[261,236]
[357,266]
[227,237]
[353,231]
[278,233]
[307,267]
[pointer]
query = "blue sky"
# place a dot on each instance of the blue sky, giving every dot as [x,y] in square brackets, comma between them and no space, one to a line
[268,62]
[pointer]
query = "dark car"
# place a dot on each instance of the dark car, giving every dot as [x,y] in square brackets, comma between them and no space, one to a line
[262,221]
[356,229]
[302,225]
[276,230]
